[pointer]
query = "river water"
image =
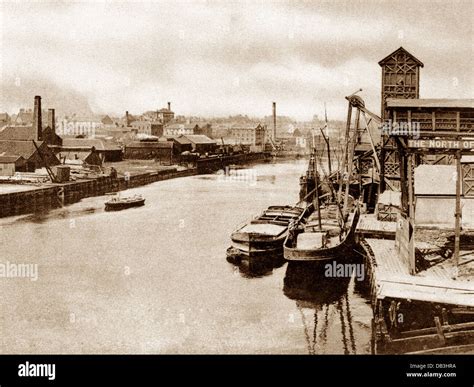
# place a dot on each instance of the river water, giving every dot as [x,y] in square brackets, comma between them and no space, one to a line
[155,279]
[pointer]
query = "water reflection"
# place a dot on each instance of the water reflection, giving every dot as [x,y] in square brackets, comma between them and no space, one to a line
[323,305]
[256,267]
[44,215]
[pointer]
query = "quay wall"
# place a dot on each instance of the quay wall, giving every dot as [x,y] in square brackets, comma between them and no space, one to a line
[58,195]
[213,164]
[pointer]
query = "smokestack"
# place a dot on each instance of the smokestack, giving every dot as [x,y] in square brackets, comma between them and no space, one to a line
[127,119]
[169,106]
[37,124]
[52,120]
[274,121]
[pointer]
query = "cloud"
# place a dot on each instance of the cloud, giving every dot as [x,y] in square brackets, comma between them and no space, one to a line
[225,58]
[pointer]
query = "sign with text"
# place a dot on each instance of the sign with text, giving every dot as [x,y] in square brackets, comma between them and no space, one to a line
[442,144]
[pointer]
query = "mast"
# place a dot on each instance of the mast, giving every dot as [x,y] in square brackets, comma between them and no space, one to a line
[318,207]
[350,161]
[326,138]
[344,157]
[316,179]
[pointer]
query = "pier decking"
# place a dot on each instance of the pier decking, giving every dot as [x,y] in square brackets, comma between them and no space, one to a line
[369,226]
[434,284]
[441,291]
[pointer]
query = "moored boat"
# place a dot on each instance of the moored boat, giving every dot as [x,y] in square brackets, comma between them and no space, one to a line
[313,241]
[265,234]
[328,232]
[117,203]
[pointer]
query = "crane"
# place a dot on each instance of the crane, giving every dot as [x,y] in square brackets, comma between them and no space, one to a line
[51,174]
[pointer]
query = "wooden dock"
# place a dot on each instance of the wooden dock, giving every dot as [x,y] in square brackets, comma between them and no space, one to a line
[370,227]
[435,284]
[400,298]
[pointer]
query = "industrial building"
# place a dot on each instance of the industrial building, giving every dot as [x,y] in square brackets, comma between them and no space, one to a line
[161,151]
[108,152]
[30,143]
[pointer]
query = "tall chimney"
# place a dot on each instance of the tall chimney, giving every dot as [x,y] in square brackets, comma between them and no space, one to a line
[52,120]
[274,121]
[169,106]
[127,119]
[37,124]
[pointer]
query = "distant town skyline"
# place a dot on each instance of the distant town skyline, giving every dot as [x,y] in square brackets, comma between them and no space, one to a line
[218,59]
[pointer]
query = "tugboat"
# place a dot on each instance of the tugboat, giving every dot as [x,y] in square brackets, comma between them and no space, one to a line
[117,203]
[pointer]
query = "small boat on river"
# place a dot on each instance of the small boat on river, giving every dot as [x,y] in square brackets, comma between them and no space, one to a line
[117,203]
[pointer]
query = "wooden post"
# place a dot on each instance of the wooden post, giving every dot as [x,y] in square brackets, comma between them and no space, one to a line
[382,165]
[411,214]
[403,176]
[458,215]
[439,330]
[411,206]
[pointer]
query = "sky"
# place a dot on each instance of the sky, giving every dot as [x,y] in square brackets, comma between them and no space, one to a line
[216,58]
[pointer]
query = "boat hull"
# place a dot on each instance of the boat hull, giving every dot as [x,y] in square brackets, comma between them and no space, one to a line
[258,249]
[264,237]
[118,206]
[345,248]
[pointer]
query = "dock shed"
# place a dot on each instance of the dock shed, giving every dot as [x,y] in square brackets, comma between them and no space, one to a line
[150,150]
[11,164]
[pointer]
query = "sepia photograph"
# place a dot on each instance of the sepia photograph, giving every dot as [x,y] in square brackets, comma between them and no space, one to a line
[246,177]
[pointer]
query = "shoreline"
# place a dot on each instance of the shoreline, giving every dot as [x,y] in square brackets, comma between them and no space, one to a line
[55,195]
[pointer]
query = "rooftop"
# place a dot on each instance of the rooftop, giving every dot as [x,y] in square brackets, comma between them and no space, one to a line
[87,143]
[165,110]
[150,144]
[397,51]
[431,103]
[199,139]
[10,159]
[179,139]
[181,126]
[17,133]
[21,148]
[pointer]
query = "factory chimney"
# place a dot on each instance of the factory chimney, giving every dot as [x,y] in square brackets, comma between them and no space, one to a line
[169,106]
[274,122]
[52,120]
[127,119]
[37,124]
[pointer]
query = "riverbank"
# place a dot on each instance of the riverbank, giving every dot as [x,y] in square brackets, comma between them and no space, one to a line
[19,199]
